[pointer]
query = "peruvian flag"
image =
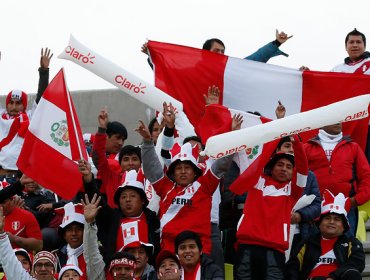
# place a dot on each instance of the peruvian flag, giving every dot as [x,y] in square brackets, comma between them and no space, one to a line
[217,120]
[186,73]
[54,142]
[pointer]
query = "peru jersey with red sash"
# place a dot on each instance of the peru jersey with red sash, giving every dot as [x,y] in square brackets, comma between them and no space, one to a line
[12,132]
[358,67]
[186,208]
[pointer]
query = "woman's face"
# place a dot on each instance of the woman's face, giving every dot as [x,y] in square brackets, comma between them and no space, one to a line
[70,275]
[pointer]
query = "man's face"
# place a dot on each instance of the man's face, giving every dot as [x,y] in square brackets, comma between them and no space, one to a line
[122,273]
[355,47]
[333,129]
[24,261]
[287,148]
[44,270]
[70,274]
[282,170]
[189,253]
[141,257]
[131,203]
[217,48]
[184,173]
[331,226]
[169,270]
[73,235]
[114,144]
[14,107]
[130,162]
[8,206]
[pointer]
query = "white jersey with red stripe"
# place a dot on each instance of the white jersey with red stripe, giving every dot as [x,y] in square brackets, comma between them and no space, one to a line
[186,208]
[359,67]
[9,154]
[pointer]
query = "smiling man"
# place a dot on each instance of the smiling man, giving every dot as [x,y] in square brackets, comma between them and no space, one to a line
[329,254]
[358,60]
[195,264]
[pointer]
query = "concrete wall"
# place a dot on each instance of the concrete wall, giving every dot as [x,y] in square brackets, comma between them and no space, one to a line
[121,107]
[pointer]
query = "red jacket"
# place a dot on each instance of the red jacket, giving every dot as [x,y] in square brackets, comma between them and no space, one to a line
[111,180]
[267,210]
[347,168]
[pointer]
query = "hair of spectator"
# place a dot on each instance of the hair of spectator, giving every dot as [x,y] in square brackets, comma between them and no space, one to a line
[129,150]
[193,138]
[116,128]
[208,44]
[151,125]
[355,32]
[185,235]
[282,141]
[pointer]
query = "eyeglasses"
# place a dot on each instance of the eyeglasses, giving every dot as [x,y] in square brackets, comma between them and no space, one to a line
[47,265]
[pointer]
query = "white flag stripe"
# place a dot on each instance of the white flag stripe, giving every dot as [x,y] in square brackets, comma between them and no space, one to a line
[241,82]
[42,127]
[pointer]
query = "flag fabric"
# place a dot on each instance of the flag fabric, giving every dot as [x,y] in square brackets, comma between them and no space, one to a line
[54,142]
[217,119]
[186,73]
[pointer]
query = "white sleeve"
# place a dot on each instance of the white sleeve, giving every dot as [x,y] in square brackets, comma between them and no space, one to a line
[13,269]
[94,260]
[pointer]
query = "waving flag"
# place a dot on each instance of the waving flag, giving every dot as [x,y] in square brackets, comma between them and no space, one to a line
[54,142]
[186,73]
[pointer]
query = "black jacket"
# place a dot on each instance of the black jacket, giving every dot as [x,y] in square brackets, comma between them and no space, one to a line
[348,252]
[209,270]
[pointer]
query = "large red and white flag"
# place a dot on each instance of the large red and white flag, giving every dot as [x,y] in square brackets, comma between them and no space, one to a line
[54,142]
[186,73]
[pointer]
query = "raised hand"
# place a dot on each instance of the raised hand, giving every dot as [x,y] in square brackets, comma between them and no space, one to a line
[280,110]
[213,95]
[103,118]
[143,130]
[91,209]
[144,48]
[45,58]
[282,37]
[169,115]
[236,122]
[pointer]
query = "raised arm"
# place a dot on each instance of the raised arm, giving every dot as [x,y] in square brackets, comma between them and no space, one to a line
[151,165]
[43,73]
[94,260]
[271,49]
[12,267]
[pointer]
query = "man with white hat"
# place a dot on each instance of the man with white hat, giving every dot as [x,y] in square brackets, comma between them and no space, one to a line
[329,254]
[44,263]
[71,230]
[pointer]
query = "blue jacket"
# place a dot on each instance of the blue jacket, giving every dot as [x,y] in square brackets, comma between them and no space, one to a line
[264,53]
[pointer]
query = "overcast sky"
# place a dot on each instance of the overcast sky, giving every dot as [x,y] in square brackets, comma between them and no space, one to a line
[116,29]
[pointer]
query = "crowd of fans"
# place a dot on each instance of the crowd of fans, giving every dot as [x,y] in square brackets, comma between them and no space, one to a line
[160,210]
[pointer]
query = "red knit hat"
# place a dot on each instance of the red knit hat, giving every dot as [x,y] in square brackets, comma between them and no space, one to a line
[18,95]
